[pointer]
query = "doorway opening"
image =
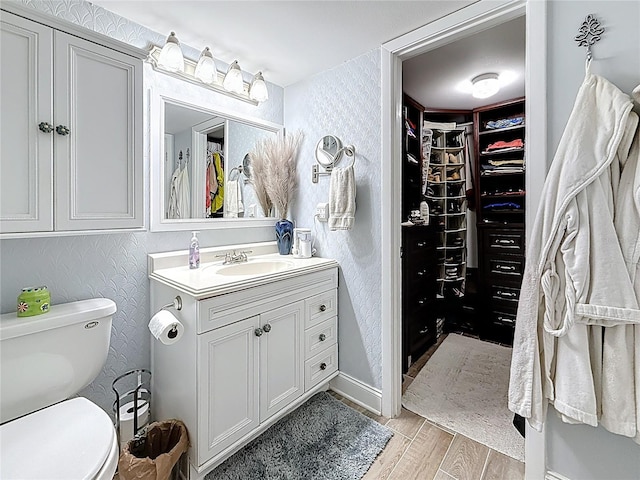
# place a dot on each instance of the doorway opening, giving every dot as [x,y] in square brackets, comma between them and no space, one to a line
[469,21]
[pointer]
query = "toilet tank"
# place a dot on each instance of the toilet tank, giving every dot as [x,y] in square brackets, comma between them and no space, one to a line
[48,358]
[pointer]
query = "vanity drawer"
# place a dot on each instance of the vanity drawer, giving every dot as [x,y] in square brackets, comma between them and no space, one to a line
[317,338]
[321,307]
[506,266]
[320,367]
[506,294]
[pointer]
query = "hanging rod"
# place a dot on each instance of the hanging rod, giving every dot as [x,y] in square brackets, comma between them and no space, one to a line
[589,33]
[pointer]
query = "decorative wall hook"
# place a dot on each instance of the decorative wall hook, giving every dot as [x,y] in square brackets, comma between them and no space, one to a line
[589,33]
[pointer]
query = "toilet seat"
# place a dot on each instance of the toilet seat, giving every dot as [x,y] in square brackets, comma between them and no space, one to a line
[74,439]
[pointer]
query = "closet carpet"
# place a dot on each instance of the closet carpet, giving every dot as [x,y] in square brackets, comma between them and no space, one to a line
[463,387]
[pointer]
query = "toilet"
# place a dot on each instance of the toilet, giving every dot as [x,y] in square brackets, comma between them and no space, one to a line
[44,360]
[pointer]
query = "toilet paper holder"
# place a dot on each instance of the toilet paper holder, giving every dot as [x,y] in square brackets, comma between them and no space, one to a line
[132,388]
[177,304]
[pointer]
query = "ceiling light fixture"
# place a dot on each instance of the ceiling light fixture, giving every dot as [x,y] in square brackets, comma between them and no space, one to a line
[171,57]
[258,89]
[485,85]
[233,79]
[206,67]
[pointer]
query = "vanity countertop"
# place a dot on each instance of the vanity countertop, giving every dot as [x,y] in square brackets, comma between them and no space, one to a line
[210,280]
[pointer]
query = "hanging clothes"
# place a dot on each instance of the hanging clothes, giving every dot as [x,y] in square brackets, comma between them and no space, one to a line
[218,198]
[184,197]
[578,303]
[172,207]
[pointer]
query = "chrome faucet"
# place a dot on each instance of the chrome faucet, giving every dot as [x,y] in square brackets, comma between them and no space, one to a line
[235,257]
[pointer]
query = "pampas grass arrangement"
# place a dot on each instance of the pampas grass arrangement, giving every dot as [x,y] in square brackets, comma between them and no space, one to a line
[258,176]
[273,171]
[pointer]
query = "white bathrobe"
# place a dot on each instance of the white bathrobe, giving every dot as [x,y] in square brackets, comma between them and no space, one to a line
[577,295]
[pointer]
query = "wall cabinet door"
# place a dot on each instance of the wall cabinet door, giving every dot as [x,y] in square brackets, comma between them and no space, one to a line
[71,136]
[98,164]
[26,152]
[281,362]
[228,380]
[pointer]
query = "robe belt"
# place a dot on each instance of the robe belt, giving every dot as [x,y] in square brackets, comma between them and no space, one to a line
[582,313]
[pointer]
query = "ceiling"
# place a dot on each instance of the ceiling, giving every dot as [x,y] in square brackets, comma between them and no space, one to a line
[431,78]
[287,40]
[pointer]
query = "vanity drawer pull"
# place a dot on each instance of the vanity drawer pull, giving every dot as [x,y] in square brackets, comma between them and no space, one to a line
[323,307]
[323,366]
[322,337]
[506,294]
[266,327]
[422,244]
[258,332]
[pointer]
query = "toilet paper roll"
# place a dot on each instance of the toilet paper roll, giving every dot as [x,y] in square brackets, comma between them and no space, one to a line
[126,419]
[166,327]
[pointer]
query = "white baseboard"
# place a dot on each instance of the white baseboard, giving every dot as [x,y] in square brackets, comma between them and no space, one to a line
[554,476]
[358,392]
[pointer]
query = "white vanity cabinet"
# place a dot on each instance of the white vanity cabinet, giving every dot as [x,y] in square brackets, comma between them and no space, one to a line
[250,354]
[71,140]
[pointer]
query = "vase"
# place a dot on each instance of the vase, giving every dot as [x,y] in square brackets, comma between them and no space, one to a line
[284,236]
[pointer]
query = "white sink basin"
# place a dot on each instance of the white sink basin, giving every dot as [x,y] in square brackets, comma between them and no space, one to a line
[259,267]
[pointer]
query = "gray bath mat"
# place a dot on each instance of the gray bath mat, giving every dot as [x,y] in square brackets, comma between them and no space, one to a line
[463,387]
[322,440]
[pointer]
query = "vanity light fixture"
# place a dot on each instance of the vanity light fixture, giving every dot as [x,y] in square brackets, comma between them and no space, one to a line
[205,74]
[206,67]
[485,85]
[171,57]
[233,79]
[258,89]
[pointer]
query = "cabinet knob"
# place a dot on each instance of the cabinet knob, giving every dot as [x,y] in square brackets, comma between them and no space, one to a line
[422,244]
[323,366]
[62,130]
[323,307]
[45,127]
[258,332]
[322,337]
[266,328]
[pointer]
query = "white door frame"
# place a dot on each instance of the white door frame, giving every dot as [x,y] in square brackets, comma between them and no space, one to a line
[467,21]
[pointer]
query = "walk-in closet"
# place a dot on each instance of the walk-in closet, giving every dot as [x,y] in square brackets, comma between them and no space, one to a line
[463,231]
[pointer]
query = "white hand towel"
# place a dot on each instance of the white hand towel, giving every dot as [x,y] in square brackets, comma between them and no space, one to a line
[342,198]
[233,199]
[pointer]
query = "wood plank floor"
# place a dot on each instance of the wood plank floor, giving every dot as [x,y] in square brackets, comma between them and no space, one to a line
[420,450]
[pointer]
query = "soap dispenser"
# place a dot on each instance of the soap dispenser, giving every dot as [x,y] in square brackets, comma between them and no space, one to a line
[194,251]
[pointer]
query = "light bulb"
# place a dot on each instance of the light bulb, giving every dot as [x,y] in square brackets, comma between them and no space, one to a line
[233,79]
[258,89]
[171,55]
[206,67]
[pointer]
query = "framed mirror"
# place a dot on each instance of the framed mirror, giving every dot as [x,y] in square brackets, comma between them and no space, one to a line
[200,166]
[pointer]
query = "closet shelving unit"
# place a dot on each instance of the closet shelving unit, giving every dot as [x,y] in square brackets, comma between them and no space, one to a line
[444,152]
[419,329]
[500,197]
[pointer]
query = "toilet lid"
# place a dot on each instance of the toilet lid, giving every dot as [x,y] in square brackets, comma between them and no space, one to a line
[69,440]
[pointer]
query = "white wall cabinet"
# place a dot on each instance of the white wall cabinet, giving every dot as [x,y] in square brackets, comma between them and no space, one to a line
[247,358]
[71,134]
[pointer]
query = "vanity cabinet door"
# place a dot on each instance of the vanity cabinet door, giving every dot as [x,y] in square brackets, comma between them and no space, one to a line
[98,160]
[228,380]
[281,361]
[26,152]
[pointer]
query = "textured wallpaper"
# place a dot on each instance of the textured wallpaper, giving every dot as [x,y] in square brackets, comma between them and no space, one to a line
[346,102]
[115,265]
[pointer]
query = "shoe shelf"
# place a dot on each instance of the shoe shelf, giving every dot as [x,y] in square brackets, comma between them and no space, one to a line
[444,154]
